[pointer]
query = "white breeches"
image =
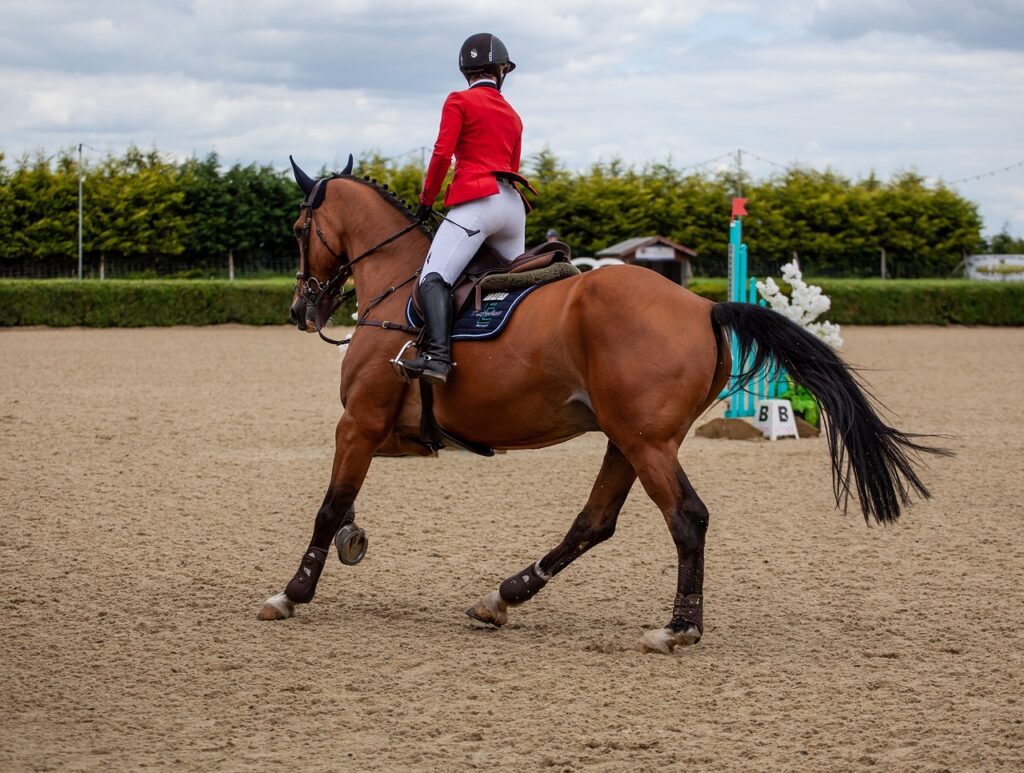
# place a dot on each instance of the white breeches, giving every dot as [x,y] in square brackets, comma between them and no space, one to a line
[501,221]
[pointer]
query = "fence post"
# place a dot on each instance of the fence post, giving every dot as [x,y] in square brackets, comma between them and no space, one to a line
[79,210]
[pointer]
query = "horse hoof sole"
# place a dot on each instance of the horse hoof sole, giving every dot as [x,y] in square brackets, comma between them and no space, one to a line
[484,618]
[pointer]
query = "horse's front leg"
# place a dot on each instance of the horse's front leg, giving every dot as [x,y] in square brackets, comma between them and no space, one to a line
[354,449]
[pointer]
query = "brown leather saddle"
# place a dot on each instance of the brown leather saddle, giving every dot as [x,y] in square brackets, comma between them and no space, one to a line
[488,262]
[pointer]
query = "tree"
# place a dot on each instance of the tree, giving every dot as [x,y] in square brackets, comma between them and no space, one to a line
[206,207]
[134,207]
[1004,244]
[140,206]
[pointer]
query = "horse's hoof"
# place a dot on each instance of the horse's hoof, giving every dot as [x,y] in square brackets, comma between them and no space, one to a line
[664,640]
[491,610]
[278,607]
[351,543]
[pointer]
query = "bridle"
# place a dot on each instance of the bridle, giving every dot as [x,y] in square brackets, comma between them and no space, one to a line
[323,298]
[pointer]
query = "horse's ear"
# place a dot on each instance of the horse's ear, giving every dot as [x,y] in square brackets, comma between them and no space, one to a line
[304,180]
[348,166]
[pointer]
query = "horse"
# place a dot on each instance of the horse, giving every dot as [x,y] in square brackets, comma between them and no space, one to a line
[621,350]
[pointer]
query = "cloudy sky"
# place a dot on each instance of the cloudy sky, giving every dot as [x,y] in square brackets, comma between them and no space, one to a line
[936,86]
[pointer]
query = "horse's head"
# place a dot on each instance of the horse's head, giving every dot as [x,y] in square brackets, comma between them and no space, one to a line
[323,265]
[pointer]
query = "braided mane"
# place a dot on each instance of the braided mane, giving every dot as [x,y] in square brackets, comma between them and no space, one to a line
[388,195]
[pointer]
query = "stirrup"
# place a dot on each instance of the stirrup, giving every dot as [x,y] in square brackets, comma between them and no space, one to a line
[398,366]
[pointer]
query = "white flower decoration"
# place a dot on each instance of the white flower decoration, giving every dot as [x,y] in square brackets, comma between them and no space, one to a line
[803,307]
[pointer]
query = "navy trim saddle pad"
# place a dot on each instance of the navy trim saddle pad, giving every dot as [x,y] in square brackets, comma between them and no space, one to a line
[487,322]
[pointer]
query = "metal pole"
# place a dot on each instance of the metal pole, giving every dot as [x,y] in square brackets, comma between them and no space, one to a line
[739,173]
[79,210]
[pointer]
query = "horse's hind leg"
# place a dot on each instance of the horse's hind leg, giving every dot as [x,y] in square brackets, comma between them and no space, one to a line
[352,456]
[687,518]
[594,524]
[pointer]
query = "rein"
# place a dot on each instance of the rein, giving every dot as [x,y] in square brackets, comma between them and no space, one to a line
[370,307]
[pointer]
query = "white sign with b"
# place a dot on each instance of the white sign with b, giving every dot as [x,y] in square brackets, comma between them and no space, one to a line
[775,419]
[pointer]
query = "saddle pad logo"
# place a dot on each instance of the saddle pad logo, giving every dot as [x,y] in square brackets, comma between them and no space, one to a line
[480,324]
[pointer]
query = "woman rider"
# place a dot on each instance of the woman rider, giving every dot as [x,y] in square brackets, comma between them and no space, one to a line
[484,134]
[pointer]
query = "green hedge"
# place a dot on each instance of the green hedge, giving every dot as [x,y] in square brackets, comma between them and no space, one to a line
[924,301]
[127,303]
[118,303]
[908,301]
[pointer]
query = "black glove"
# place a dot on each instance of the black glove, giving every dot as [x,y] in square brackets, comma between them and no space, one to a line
[423,213]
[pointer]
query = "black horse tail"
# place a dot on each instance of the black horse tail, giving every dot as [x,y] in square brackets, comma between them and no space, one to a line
[859,442]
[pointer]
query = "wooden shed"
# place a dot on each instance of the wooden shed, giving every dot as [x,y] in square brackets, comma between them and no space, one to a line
[656,253]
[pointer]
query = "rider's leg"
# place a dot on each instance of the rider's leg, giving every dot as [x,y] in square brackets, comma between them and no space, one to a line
[450,253]
[452,248]
[510,238]
[434,359]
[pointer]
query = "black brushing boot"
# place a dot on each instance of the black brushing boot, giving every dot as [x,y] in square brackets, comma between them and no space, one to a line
[435,360]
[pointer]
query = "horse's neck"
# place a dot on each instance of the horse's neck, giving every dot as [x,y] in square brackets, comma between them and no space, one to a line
[390,266]
[376,220]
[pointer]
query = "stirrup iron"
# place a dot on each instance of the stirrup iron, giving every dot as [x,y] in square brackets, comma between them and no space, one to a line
[398,366]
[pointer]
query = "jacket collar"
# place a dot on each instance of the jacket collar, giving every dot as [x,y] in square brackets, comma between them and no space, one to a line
[486,85]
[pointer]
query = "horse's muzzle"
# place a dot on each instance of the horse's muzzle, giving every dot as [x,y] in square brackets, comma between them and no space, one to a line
[303,315]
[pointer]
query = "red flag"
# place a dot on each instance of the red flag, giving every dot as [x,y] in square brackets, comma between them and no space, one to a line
[739,207]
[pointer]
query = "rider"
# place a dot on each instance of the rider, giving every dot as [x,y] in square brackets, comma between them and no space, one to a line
[484,134]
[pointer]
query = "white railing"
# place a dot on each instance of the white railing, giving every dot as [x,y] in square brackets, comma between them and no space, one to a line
[589,264]
[995,268]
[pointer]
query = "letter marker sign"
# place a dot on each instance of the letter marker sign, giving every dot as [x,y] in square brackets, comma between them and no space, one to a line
[775,419]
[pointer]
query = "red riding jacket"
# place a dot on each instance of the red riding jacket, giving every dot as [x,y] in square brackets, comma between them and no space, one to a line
[485,135]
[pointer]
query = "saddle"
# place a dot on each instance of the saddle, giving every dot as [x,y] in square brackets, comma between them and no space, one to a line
[489,263]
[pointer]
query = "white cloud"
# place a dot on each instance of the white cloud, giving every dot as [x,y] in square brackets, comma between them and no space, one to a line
[866,85]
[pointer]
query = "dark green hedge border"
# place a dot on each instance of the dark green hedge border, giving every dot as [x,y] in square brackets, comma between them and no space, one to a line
[908,301]
[120,303]
[125,303]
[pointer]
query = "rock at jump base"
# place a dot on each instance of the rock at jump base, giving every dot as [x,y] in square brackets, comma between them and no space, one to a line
[730,429]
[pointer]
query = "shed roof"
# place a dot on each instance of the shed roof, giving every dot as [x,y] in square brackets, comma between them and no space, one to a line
[630,246]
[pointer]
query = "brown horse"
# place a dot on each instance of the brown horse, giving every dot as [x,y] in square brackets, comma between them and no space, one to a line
[620,350]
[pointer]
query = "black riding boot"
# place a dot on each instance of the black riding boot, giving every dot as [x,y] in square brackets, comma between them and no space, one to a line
[435,359]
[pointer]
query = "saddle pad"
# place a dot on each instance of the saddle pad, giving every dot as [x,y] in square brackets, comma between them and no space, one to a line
[539,276]
[488,322]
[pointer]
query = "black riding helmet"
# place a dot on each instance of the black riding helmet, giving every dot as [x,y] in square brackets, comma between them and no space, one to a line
[486,52]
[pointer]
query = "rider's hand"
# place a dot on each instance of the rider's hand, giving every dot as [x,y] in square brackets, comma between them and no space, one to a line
[423,213]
